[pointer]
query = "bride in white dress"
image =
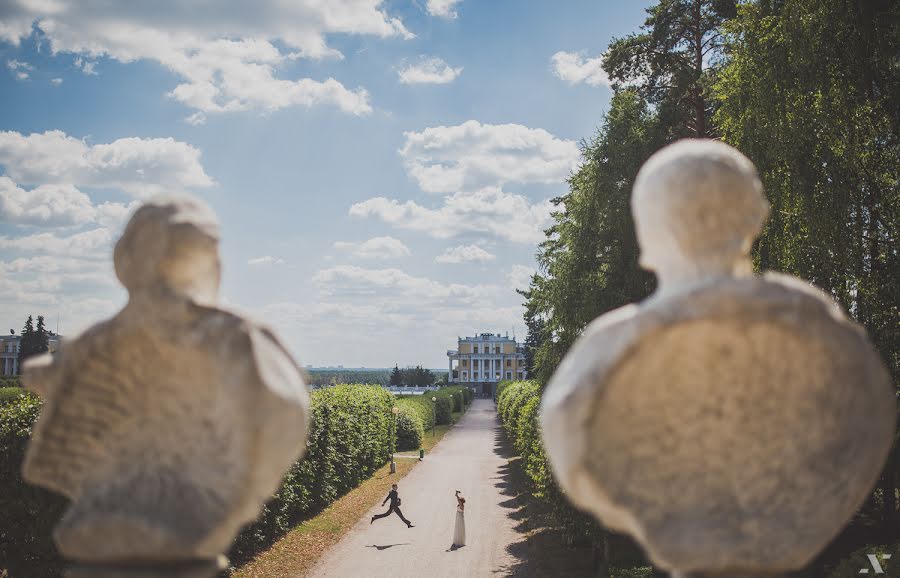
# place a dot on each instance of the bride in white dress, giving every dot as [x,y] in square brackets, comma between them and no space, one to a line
[459,533]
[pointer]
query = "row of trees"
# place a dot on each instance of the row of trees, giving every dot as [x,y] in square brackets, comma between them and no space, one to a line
[34,340]
[809,90]
[411,376]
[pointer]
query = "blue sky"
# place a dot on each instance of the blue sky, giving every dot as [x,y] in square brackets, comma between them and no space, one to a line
[362,156]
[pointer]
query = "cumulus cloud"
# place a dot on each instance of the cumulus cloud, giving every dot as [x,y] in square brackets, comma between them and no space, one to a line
[266,260]
[373,311]
[472,155]
[56,81]
[83,245]
[465,254]
[67,266]
[348,280]
[375,248]
[519,276]
[442,8]
[429,70]
[227,53]
[20,69]
[574,68]
[134,165]
[489,211]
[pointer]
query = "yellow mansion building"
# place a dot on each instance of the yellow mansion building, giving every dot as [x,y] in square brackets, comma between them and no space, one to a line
[486,359]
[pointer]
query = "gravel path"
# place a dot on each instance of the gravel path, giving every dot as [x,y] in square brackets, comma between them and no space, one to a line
[467,459]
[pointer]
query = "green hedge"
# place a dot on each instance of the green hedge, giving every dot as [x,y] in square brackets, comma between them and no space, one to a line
[350,437]
[518,404]
[410,429]
[852,564]
[27,513]
[10,381]
[8,394]
[449,400]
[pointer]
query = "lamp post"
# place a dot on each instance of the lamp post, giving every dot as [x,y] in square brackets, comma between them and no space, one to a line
[433,413]
[394,410]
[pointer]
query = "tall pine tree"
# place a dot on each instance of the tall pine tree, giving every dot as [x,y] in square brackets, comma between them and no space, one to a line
[27,344]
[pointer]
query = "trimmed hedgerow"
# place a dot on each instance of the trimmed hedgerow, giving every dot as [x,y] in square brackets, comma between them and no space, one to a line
[29,513]
[351,434]
[12,393]
[409,429]
[350,437]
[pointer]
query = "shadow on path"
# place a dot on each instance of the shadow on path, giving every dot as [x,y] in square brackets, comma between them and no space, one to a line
[386,546]
[541,549]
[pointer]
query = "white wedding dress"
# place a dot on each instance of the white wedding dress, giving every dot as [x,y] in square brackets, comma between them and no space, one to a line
[459,532]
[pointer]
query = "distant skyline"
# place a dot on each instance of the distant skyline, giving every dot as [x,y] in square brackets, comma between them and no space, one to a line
[382,171]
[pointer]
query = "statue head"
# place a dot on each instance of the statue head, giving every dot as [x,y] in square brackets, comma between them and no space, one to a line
[698,205]
[171,244]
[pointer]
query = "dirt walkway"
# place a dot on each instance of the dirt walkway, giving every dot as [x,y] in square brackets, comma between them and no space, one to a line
[467,459]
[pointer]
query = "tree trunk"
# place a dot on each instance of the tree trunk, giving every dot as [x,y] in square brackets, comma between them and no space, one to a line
[699,101]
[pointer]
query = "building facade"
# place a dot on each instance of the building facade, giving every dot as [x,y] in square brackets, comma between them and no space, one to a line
[486,359]
[9,351]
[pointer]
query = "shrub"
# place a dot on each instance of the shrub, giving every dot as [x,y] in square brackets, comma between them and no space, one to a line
[28,512]
[350,437]
[12,393]
[409,429]
[443,410]
[420,406]
[852,564]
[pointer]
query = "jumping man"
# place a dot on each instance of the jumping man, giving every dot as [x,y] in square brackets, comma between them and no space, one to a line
[395,507]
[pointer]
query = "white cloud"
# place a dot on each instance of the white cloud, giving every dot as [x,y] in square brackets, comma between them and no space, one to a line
[375,248]
[86,66]
[20,69]
[574,68]
[350,281]
[226,53]
[196,119]
[18,65]
[46,205]
[472,155]
[488,211]
[56,81]
[133,165]
[465,254]
[265,261]
[519,276]
[85,245]
[429,70]
[442,8]
[371,311]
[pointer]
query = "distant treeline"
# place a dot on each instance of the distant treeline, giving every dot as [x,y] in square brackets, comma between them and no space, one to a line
[408,376]
[318,377]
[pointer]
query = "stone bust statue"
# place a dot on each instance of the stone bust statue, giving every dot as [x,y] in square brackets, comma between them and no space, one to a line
[171,423]
[731,423]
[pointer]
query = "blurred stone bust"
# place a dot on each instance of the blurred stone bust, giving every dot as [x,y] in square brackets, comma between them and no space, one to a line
[731,423]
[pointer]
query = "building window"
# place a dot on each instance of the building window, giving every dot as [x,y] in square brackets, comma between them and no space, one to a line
[497,349]
[509,363]
[475,375]
[508,375]
[474,349]
[465,362]
[465,375]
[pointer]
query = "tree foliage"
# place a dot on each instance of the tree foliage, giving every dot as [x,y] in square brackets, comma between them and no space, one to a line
[809,90]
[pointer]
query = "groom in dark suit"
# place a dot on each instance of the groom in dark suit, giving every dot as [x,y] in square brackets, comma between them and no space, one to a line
[395,507]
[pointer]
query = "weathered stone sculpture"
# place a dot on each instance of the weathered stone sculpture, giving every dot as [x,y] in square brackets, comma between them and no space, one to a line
[731,423]
[170,424]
